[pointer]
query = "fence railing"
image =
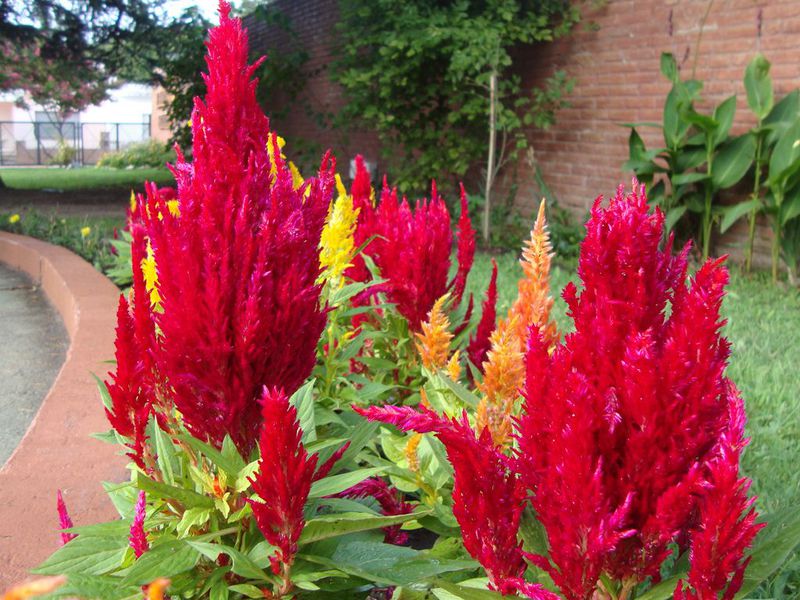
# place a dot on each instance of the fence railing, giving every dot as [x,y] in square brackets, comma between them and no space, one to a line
[26,143]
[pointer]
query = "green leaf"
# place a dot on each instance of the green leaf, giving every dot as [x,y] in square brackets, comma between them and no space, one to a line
[534,537]
[707,124]
[669,67]
[103,587]
[461,392]
[386,564]
[723,116]
[325,527]
[165,452]
[86,555]
[188,498]
[685,178]
[785,156]
[230,466]
[247,589]
[785,112]
[733,161]
[790,207]
[360,436]
[636,147]
[193,518]
[731,214]
[338,483]
[303,401]
[461,592]
[758,84]
[163,560]
[103,389]
[673,216]
[662,590]
[772,546]
[241,564]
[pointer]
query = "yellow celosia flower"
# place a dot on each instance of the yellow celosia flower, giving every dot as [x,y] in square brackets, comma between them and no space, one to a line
[297,178]
[13,219]
[133,202]
[150,274]
[534,302]
[336,243]
[36,587]
[411,452]
[503,376]
[433,342]
[85,231]
[173,207]
[454,367]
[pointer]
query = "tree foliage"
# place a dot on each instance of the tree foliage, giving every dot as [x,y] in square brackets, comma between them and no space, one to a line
[419,73]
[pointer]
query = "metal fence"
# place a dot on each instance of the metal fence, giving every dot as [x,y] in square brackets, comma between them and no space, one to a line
[42,143]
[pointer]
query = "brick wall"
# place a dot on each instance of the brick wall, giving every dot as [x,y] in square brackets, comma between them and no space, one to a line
[616,68]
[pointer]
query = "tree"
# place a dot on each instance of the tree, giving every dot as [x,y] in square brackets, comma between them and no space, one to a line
[434,79]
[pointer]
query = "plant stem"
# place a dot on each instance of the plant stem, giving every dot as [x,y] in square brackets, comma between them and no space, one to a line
[776,236]
[490,166]
[751,234]
[707,223]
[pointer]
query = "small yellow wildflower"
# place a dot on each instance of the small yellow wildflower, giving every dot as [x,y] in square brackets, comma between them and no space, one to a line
[150,274]
[433,342]
[13,219]
[85,231]
[336,243]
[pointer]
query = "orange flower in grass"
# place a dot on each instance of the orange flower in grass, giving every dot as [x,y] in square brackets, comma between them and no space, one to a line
[534,302]
[504,374]
[433,342]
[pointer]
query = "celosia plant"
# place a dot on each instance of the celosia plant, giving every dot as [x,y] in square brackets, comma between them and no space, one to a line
[630,435]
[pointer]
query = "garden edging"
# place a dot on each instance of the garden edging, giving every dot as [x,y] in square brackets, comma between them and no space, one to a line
[57,451]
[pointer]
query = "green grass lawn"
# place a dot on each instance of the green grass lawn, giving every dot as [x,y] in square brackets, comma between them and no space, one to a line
[38,178]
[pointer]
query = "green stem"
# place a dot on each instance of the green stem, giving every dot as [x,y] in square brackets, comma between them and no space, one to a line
[776,237]
[751,233]
[707,223]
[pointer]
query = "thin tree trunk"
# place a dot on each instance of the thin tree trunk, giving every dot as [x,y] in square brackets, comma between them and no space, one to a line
[490,163]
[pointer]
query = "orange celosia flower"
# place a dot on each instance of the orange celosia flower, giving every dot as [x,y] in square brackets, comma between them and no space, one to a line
[534,302]
[504,374]
[155,591]
[433,343]
[411,452]
[36,587]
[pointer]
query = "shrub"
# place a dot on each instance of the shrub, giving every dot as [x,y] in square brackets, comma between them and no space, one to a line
[150,153]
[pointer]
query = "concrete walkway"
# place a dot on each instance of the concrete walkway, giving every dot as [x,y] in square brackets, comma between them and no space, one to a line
[33,345]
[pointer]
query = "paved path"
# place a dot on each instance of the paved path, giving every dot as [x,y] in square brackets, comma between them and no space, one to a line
[33,344]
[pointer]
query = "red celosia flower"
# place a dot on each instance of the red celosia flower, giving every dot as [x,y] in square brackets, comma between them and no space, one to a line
[726,526]
[130,402]
[466,249]
[488,498]
[391,503]
[284,477]
[480,343]
[237,261]
[412,251]
[623,422]
[138,537]
[64,522]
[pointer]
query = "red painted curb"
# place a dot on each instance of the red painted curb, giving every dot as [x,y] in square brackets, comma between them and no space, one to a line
[56,451]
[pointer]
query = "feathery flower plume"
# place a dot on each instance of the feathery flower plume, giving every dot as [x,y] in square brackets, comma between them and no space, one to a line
[433,342]
[138,537]
[64,522]
[336,242]
[391,503]
[503,376]
[726,525]
[466,249]
[410,247]
[479,344]
[237,269]
[625,421]
[34,588]
[534,302]
[130,402]
[488,498]
[283,479]
[454,367]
